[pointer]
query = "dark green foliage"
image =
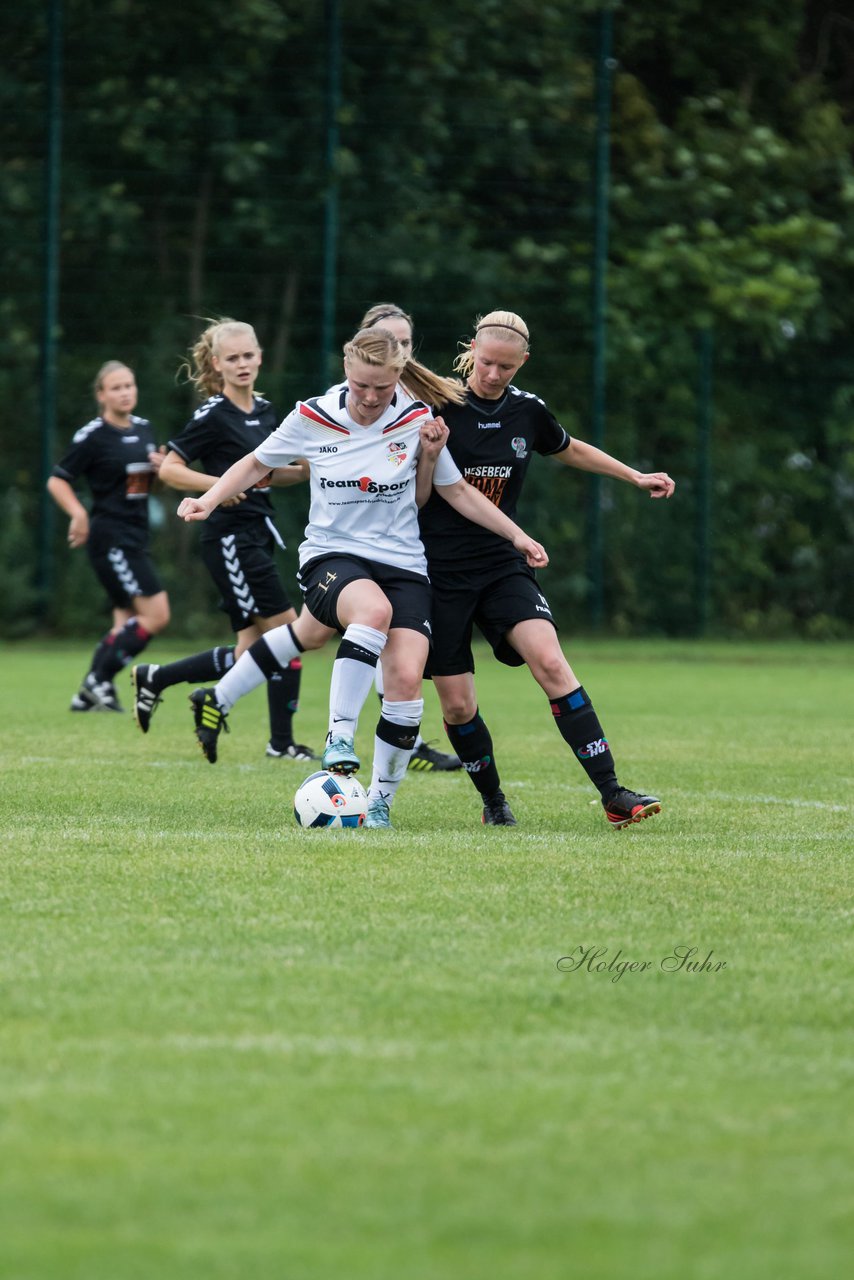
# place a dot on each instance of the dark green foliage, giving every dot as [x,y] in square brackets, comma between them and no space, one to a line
[194,184]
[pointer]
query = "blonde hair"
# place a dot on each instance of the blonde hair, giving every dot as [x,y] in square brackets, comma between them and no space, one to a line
[110,366]
[199,367]
[377,347]
[496,324]
[384,311]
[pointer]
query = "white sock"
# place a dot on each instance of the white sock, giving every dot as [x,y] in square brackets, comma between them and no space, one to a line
[246,674]
[352,677]
[243,677]
[281,643]
[391,760]
[379,686]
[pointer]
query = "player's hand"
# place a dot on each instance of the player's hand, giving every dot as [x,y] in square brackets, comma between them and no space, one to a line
[657,484]
[433,435]
[535,554]
[229,502]
[78,530]
[192,509]
[156,458]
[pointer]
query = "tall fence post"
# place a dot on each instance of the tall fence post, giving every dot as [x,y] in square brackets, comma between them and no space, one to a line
[50,296]
[330,219]
[705,352]
[604,71]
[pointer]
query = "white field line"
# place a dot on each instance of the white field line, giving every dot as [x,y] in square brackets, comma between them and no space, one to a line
[793,802]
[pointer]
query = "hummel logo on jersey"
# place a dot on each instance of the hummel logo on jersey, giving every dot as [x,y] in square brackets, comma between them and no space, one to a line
[253,422]
[328,448]
[489,426]
[597,748]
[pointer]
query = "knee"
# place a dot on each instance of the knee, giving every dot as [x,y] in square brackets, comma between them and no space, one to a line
[551,670]
[458,707]
[157,619]
[377,614]
[407,685]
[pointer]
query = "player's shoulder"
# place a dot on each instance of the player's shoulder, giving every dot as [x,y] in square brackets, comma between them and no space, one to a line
[518,396]
[208,408]
[404,411]
[87,430]
[140,424]
[328,410]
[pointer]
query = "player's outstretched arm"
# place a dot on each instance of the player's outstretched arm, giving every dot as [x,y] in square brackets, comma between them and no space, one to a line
[472,504]
[586,457]
[237,479]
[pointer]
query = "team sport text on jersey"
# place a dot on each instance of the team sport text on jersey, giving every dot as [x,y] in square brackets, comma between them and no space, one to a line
[362,478]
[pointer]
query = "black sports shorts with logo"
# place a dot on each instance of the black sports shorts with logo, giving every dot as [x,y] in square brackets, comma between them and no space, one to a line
[493,600]
[322,580]
[242,566]
[123,571]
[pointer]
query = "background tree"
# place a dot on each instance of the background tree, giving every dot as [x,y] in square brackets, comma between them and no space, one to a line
[193,184]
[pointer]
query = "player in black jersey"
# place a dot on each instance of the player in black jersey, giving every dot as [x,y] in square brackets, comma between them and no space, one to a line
[117,456]
[479,579]
[238,541]
[363,571]
[385,315]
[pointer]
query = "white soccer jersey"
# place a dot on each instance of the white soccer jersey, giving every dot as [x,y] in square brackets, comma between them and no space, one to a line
[362,478]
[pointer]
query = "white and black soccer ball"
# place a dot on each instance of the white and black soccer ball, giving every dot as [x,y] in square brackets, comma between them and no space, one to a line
[330,800]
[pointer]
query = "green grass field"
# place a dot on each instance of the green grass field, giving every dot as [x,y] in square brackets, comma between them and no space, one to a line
[232,1048]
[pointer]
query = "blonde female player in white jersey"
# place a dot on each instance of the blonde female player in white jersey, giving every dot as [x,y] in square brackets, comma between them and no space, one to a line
[387,315]
[371,449]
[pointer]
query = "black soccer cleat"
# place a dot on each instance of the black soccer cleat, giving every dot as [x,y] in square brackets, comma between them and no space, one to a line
[293,751]
[497,812]
[425,758]
[210,721]
[145,697]
[82,700]
[623,807]
[94,695]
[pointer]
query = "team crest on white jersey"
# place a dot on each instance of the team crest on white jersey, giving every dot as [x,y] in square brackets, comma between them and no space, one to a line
[397,453]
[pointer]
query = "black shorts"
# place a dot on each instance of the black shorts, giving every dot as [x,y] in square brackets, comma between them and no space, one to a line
[494,600]
[322,580]
[124,572]
[242,566]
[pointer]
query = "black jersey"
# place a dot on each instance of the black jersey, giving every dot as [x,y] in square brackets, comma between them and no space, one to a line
[491,441]
[218,435]
[114,462]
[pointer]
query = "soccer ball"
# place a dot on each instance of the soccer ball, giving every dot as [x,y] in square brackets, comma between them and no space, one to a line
[330,800]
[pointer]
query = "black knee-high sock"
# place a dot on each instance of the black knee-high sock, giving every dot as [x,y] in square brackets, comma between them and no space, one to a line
[116,651]
[102,648]
[283,702]
[579,724]
[473,744]
[199,668]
